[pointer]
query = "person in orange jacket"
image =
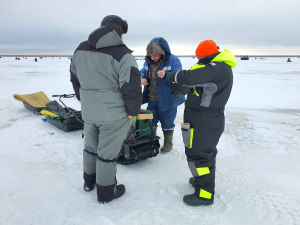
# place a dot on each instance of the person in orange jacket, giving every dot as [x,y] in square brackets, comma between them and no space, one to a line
[210,80]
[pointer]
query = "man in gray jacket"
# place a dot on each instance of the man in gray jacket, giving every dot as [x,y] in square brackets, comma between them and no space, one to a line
[107,81]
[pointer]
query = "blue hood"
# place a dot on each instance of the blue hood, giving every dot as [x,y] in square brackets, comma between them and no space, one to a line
[164,44]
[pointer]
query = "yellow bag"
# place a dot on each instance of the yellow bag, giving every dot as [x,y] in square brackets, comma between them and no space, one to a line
[48,113]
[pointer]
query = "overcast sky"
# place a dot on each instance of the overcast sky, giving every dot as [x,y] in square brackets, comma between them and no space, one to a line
[242,26]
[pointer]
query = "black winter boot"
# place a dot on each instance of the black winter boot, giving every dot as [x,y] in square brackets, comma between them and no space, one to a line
[88,187]
[89,181]
[192,182]
[193,200]
[120,191]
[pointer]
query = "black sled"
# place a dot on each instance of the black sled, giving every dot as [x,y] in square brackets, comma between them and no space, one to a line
[37,102]
[70,123]
[141,142]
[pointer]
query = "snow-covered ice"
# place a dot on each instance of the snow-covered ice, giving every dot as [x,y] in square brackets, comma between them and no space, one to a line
[258,161]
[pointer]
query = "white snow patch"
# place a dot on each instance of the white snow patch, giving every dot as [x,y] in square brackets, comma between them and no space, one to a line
[257,176]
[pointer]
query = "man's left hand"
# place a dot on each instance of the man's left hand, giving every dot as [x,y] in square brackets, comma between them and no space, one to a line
[161,73]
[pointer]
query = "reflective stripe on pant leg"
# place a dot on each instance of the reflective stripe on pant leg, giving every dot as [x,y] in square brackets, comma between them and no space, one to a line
[205,194]
[204,174]
[197,172]
[187,137]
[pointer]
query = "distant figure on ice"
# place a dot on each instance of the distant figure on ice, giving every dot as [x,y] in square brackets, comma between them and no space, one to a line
[35,59]
[161,99]
[289,60]
[211,79]
[107,75]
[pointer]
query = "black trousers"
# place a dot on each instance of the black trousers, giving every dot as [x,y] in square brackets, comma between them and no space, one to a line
[201,151]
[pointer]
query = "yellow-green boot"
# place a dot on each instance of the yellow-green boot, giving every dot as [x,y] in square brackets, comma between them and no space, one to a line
[168,142]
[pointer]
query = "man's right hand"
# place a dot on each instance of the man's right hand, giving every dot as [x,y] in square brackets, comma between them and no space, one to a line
[144,82]
[130,117]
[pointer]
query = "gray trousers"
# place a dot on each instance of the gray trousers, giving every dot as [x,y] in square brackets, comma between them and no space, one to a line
[104,141]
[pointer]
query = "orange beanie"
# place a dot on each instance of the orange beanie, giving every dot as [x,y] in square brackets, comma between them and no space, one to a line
[207,47]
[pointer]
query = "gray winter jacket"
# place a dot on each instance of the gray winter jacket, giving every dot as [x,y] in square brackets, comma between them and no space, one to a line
[105,77]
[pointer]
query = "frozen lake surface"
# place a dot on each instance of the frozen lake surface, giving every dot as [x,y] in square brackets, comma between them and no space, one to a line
[258,161]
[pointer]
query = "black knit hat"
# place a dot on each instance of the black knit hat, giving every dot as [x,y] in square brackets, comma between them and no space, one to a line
[115,20]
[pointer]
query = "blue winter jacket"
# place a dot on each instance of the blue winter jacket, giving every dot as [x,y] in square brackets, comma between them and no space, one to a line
[171,63]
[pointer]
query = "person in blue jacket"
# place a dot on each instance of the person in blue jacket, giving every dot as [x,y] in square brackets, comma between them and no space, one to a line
[161,99]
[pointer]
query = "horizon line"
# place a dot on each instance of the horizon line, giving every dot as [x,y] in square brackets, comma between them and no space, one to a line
[45,55]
